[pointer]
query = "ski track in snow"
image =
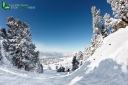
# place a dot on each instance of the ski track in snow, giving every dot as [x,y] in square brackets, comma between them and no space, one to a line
[14,73]
[78,78]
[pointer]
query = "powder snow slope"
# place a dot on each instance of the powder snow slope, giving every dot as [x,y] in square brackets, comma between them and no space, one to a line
[107,66]
[114,47]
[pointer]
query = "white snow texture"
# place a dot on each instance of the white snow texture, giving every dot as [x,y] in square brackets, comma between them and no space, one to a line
[107,66]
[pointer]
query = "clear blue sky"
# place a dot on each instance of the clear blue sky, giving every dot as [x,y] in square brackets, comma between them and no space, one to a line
[62,24]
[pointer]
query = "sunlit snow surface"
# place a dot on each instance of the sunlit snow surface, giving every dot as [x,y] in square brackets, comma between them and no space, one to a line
[108,66]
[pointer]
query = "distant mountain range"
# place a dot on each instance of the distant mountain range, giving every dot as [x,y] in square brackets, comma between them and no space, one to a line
[53,55]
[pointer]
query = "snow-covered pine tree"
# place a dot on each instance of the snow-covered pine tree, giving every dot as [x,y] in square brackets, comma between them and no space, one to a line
[2,35]
[96,18]
[80,56]
[110,23]
[98,23]
[75,63]
[22,50]
[3,39]
[96,42]
[87,53]
[120,9]
[104,31]
[98,30]
[4,46]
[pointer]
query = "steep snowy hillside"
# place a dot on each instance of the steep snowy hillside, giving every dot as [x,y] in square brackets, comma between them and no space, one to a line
[115,47]
[107,66]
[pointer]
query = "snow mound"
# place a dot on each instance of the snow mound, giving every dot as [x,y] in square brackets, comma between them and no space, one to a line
[114,47]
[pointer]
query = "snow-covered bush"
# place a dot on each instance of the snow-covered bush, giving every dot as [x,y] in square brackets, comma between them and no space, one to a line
[61,69]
